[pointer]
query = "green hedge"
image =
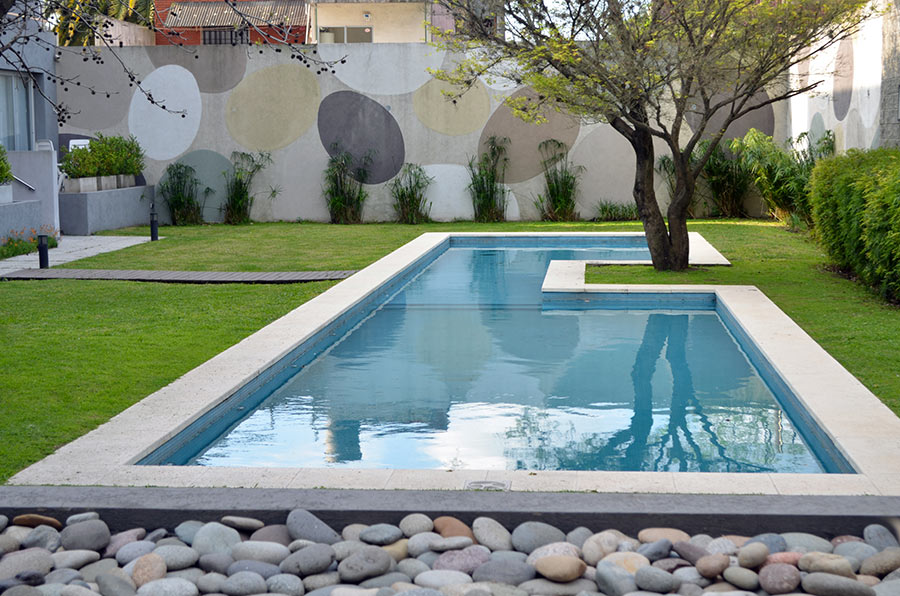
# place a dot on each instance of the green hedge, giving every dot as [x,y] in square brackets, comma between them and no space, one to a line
[856,208]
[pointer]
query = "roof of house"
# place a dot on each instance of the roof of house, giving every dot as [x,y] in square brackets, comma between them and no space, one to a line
[236,13]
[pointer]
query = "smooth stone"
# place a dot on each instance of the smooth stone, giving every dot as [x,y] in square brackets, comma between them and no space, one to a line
[809,542]
[656,580]
[310,560]
[671,564]
[92,534]
[436,578]
[296,545]
[788,557]
[672,534]
[545,586]
[74,559]
[31,578]
[398,550]
[628,561]
[260,568]
[244,583]
[303,524]
[22,590]
[491,533]
[76,590]
[326,590]
[779,578]
[168,587]
[18,532]
[215,562]
[352,531]
[62,576]
[157,535]
[114,584]
[171,541]
[656,550]
[466,560]
[187,530]
[628,545]
[192,574]
[215,537]
[845,538]
[30,559]
[869,580]
[577,536]
[701,540]
[691,576]
[530,535]
[711,566]
[412,567]
[212,582]
[774,542]
[428,558]
[826,563]
[8,544]
[148,568]
[421,543]
[614,580]
[90,571]
[560,568]
[381,534]
[367,562]
[242,524]
[450,543]
[857,550]
[448,526]
[4,521]
[120,539]
[416,523]
[879,537]
[826,584]
[554,548]
[504,572]
[345,548]
[689,552]
[133,550]
[881,563]
[722,545]
[274,533]
[78,517]
[598,546]
[285,583]
[321,580]
[891,588]
[177,557]
[33,520]
[385,581]
[752,555]
[44,537]
[892,576]
[509,555]
[421,592]
[743,578]
[256,550]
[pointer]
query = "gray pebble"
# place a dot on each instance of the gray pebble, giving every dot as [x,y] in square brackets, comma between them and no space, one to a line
[4,521]
[416,523]
[274,533]
[365,563]
[577,536]
[422,592]
[722,546]
[74,559]
[54,589]
[752,555]
[171,541]
[192,574]
[545,586]
[285,583]
[244,583]
[296,545]
[386,580]
[345,548]
[421,543]
[168,587]
[352,531]
[443,577]
[879,537]
[327,590]
[656,580]
[451,543]
[809,542]
[321,580]
[826,584]
[381,534]
[386,592]
[614,580]
[212,582]
[113,584]
[76,590]
[22,590]
[412,567]
[256,550]
[691,576]
[243,524]
[532,534]
[701,540]
[90,571]
[260,568]
[505,572]
[857,550]
[774,542]
[214,538]
[689,552]
[92,534]
[42,537]
[303,524]
[8,544]
[188,529]
[133,550]
[654,551]
[156,535]
[313,559]
[31,559]
[215,562]
[428,558]
[177,557]
[509,555]
[62,576]
[887,588]
[491,533]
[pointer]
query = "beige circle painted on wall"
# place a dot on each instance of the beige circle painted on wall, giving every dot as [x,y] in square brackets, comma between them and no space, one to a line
[463,115]
[272,107]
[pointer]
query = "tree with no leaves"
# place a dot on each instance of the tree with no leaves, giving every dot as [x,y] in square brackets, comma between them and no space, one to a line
[648,67]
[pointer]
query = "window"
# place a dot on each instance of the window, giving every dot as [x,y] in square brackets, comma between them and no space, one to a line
[220,36]
[16,106]
[347,34]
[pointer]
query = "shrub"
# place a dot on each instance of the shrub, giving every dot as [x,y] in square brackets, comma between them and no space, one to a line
[238,199]
[666,167]
[855,202]
[728,180]
[80,162]
[486,188]
[408,190]
[344,191]
[608,211]
[178,189]
[25,241]
[560,182]
[104,156]
[6,174]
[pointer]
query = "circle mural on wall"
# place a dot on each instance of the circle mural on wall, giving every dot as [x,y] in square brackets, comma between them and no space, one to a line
[462,115]
[163,134]
[210,168]
[102,99]
[842,90]
[216,69]
[361,126]
[272,107]
[816,127]
[867,73]
[524,137]
[762,119]
[364,72]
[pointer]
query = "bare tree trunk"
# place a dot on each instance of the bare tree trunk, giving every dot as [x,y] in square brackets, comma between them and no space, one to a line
[677,213]
[645,197]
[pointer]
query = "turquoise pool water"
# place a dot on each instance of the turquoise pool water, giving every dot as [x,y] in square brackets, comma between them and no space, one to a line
[461,366]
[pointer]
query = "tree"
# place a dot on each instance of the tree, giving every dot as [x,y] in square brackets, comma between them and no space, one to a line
[649,68]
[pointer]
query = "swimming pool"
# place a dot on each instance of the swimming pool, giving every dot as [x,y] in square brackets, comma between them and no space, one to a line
[460,363]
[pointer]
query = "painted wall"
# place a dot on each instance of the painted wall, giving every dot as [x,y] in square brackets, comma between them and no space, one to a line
[394,22]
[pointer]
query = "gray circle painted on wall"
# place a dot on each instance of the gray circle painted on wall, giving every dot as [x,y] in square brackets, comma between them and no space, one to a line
[361,126]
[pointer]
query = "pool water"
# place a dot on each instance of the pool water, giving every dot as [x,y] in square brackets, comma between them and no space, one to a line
[462,367]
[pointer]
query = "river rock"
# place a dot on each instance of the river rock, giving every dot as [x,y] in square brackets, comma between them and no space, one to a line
[673,535]
[598,546]
[774,542]
[802,541]
[689,552]
[242,524]
[881,563]
[656,580]
[507,572]
[741,577]
[75,589]
[416,523]
[448,526]
[132,551]
[530,535]
[29,559]
[779,578]
[428,558]
[74,559]
[92,534]
[887,588]
[215,562]
[826,563]
[303,524]
[554,548]
[352,531]
[215,537]
[120,539]
[285,583]
[722,545]
[187,530]
[275,533]
[62,576]
[450,543]
[879,537]
[421,543]
[544,586]
[858,550]
[44,537]
[412,567]
[671,564]
[33,520]
[365,563]
[827,584]
[398,550]
[654,551]
[752,555]
[260,568]
[385,581]
[148,568]
[310,560]
[711,566]
[244,583]
[787,557]
[492,534]
[257,550]
[168,587]
[321,580]
[177,557]
[115,584]
[441,577]
[560,568]
[212,582]
[381,534]
[467,560]
[628,561]
[8,544]
[345,548]
[691,576]
[614,580]
[90,571]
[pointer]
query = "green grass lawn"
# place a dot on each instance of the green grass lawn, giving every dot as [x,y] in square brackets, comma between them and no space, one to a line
[76,353]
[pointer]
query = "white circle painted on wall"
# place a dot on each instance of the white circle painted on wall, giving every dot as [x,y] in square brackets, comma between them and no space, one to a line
[162,133]
[396,68]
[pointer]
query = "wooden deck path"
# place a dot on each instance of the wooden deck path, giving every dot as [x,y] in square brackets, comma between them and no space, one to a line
[181,277]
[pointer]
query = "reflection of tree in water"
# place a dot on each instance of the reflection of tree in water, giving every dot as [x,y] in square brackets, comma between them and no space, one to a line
[721,440]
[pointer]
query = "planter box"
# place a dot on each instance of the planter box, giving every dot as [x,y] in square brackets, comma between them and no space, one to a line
[124,180]
[82,214]
[78,185]
[106,183]
[5,193]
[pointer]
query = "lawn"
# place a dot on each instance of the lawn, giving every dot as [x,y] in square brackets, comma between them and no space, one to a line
[78,352]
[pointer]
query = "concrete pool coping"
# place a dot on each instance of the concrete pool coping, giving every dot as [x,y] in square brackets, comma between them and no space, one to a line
[865,430]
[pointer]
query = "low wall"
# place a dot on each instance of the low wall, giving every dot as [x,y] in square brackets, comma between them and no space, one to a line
[19,216]
[38,170]
[82,214]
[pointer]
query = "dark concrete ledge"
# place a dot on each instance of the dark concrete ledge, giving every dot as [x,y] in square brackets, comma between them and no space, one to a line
[124,508]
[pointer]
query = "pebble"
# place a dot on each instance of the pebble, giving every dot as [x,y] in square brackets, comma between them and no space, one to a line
[260,568]
[185,531]
[654,551]
[673,535]
[412,567]
[310,560]
[752,555]
[321,580]
[560,568]
[448,526]
[491,534]
[215,562]
[381,534]
[303,524]
[628,561]
[30,559]
[345,548]
[438,578]
[243,524]
[774,542]
[415,523]
[148,568]
[244,583]
[177,557]
[689,552]
[421,543]
[598,546]
[91,571]
[724,546]
[671,564]
[8,544]
[690,575]
[808,542]
[504,572]
[711,566]
[857,550]
[92,534]
[826,563]
[367,562]
[614,580]
[881,563]
[257,550]
[876,536]
[826,584]
[440,545]
[33,520]
[466,560]
[114,584]
[75,559]
[215,537]
[740,577]
[656,580]
[275,533]
[543,586]
[168,587]
[554,548]
[212,583]
[530,535]
[285,583]
[352,531]
[398,550]
[45,537]
[779,578]
[62,576]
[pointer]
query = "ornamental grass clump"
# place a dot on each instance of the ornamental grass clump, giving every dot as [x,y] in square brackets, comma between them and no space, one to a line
[609,211]
[486,188]
[343,189]
[728,178]
[560,182]
[178,188]
[6,175]
[408,190]
[238,198]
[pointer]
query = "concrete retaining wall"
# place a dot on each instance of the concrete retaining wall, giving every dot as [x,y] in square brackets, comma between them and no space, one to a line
[19,217]
[82,214]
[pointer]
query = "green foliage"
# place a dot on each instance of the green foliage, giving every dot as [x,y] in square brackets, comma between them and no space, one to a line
[856,208]
[238,198]
[178,189]
[609,211]
[408,190]
[560,182]
[6,174]
[344,191]
[104,156]
[665,165]
[486,188]
[25,241]
[728,179]
[80,22]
